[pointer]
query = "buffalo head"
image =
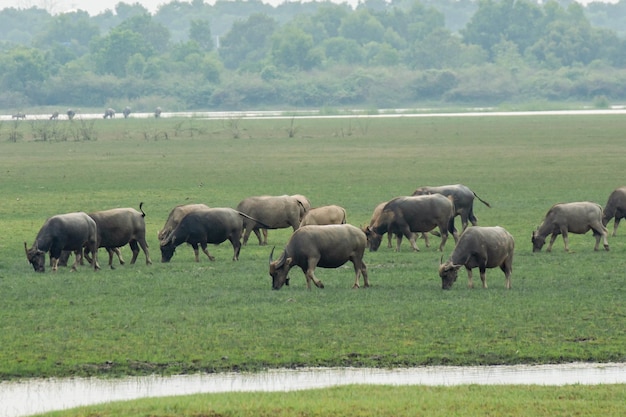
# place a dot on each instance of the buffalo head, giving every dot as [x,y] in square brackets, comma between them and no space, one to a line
[373,239]
[167,250]
[36,257]
[538,241]
[448,273]
[279,270]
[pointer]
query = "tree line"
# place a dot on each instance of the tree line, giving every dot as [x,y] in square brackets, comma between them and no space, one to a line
[243,54]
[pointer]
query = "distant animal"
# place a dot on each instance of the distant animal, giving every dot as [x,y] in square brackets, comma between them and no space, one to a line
[18,116]
[175,216]
[615,208]
[376,214]
[54,116]
[126,112]
[328,246]
[70,232]
[110,113]
[204,226]
[157,112]
[404,216]
[463,199]
[332,214]
[482,248]
[578,217]
[275,212]
[118,227]
[70,114]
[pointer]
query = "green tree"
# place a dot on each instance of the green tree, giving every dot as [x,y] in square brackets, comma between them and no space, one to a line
[362,26]
[200,32]
[343,50]
[247,40]
[292,48]
[23,70]
[152,33]
[112,52]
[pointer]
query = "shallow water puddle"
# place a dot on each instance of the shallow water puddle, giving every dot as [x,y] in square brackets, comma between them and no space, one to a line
[27,397]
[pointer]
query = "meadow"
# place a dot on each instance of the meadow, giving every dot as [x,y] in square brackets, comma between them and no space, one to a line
[186,317]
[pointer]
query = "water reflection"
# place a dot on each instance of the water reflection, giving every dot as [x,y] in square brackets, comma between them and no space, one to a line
[28,397]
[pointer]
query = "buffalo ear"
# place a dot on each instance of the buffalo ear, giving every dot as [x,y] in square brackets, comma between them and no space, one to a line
[288,262]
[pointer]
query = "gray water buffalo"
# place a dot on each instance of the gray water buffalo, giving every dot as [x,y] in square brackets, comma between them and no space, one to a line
[70,114]
[272,212]
[404,216]
[463,199]
[126,112]
[54,116]
[118,227]
[615,208]
[578,217]
[70,232]
[157,112]
[204,226]
[376,214]
[328,246]
[332,214]
[175,216]
[109,113]
[482,248]
[18,116]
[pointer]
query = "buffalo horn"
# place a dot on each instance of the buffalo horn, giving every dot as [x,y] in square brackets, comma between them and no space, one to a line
[272,254]
[26,248]
[441,260]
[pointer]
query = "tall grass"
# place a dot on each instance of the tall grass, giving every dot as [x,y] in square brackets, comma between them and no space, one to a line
[222,315]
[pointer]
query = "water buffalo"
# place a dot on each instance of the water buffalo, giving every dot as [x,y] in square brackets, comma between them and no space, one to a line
[126,112]
[272,212]
[376,214]
[404,216]
[204,226]
[118,227]
[482,248]
[175,216]
[54,116]
[578,217]
[463,199]
[70,232]
[324,215]
[615,208]
[328,246]
[157,112]
[18,116]
[110,113]
[70,114]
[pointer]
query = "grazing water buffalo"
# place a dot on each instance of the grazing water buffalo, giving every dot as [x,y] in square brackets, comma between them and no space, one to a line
[324,215]
[271,212]
[118,227]
[70,232]
[615,208]
[376,214]
[18,116]
[110,113]
[157,112]
[54,116]
[463,199]
[404,216]
[204,226]
[175,216]
[578,217]
[328,246]
[482,248]
[126,112]
[70,114]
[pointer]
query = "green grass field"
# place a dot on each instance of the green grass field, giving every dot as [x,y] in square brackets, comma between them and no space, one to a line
[215,316]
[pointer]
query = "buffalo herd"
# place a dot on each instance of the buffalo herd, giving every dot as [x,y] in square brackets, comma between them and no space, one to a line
[321,235]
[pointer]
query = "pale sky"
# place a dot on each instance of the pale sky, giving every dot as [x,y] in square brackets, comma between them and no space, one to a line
[97,6]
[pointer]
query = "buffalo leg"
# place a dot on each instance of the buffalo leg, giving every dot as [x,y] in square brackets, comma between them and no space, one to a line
[389,236]
[236,247]
[470,279]
[615,224]
[310,274]
[552,239]
[144,246]
[259,236]
[507,267]
[195,251]
[206,252]
[264,231]
[426,240]
[360,269]
[483,276]
[134,247]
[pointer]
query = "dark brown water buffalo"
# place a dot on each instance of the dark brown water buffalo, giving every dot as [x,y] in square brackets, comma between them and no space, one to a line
[272,212]
[578,217]
[70,232]
[126,112]
[70,114]
[109,113]
[201,227]
[376,214]
[327,246]
[332,214]
[463,199]
[615,208]
[404,216]
[482,248]
[118,227]
[175,216]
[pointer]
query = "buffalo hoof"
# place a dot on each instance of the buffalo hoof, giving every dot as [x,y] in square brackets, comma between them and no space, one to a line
[606,248]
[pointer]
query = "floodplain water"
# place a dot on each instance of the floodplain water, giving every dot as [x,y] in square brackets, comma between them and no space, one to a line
[32,396]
